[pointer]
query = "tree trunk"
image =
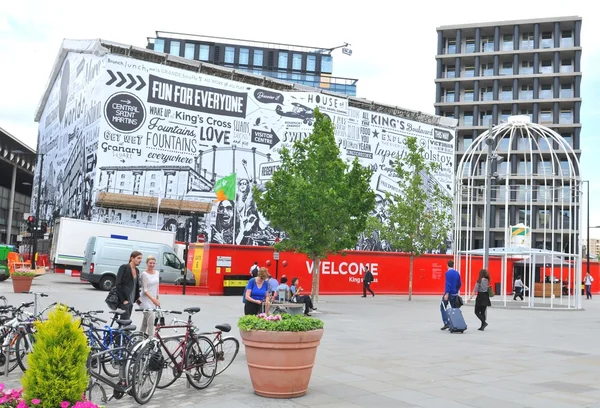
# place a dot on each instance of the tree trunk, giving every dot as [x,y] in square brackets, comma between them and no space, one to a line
[314,293]
[410,277]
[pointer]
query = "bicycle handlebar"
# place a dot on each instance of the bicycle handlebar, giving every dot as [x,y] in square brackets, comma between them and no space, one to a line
[159,311]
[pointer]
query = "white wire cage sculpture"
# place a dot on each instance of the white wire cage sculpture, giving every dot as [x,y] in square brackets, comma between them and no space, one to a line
[535,213]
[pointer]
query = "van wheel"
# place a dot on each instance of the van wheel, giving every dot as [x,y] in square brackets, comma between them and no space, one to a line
[107,283]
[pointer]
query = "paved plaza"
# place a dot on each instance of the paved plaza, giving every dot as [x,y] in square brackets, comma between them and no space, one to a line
[388,352]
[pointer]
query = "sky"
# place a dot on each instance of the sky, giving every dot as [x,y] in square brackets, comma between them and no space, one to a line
[393,44]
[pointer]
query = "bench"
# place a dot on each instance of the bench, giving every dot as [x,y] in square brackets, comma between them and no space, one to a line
[287,307]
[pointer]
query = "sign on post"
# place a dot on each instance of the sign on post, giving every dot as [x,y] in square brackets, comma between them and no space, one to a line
[276,256]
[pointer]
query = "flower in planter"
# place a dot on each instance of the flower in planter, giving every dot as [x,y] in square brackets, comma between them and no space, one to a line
[13,399]
[284,322]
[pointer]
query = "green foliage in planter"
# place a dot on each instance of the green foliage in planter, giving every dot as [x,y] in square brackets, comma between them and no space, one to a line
[21,273]
[57,365]
[287,323]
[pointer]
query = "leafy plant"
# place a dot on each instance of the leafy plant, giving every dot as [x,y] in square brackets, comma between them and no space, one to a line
[12,398]
[320,201]
[57,370]
[24,273]
[419,219]
[286,323]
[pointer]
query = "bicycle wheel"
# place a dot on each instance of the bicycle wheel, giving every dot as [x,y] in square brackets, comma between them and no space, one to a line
[170,373]
[23,347]
[95,393]
[200,362]
[11,359]
[227,350]
[144,375]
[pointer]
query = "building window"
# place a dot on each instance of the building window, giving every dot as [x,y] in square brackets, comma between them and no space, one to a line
[527,41]
[566,117]
[122,176]
[449,96]
[189,51]
[311,63]
[159,45]
[546,116]
[507,42]
[526,67]
[547,40]
[546,91]
[485,117]
[544,145]
[153,184]
[504,115]
[487,69]
[567,138]
[545,168]
[524,143]
[566,39]
[546,67]
[566,91]
[544,216]
[566,65]
[526,92]
[524,216]
[467,141]
[229,55]
[487,44]
[565,169]
[487,94]
[122,183]
[468,96]
[450,71]
[297,62]
[468,120]
[283,60]
[470,45]
[469,71]
[175,48]
[527,112]
[504,145]
[204,52]
[449,115]
[244,57]
[326,64]
[507,68]
[523,193]
[257,60]
[451,47]
[506,94]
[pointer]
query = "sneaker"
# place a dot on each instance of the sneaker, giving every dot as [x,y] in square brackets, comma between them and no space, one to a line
[445,327]
[363,296]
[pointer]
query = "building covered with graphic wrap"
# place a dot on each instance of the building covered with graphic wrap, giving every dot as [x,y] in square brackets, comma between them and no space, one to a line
[137,137]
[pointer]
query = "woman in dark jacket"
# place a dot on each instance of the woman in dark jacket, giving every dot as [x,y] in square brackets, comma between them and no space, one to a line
[128,288]
[483,297]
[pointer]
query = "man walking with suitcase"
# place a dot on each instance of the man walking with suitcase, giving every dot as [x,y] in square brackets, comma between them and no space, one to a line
[452,287]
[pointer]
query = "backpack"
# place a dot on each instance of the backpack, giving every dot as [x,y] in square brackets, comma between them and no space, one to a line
[255,271]
[251,281]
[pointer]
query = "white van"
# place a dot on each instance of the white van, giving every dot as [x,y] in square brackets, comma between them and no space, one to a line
[103,256]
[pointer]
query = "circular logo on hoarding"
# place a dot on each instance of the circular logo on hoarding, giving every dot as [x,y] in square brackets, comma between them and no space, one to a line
[125,112]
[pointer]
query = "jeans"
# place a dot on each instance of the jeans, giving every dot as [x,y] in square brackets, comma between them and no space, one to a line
[588,291]
[367,286]
[452,300]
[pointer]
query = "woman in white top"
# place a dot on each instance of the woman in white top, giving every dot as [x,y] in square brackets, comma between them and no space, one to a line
[149,295]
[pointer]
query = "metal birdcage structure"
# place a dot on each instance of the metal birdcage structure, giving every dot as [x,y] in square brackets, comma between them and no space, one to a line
[518,201]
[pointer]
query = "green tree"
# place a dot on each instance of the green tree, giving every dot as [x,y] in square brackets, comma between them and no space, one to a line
[419,218]
[57,369]
[320,201]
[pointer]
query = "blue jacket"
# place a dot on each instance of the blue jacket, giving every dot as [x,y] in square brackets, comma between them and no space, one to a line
[453,282]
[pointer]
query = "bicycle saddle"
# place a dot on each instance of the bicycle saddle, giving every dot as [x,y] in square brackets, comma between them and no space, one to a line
[192,310]
[131,327]
[223,327]
[117,312]
[123,322]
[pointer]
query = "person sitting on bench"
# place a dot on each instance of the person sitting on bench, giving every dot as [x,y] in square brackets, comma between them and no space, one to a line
[283,291]
[295,289]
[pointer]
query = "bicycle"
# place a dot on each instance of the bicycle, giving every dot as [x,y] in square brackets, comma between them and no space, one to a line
[193,355]
[226,348]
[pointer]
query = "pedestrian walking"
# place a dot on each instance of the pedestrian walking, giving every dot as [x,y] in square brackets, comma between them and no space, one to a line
[482,301]
[254,270]
[149,295]
[588,285]
[518,288]
[451,288]
[367,283]
[127,285]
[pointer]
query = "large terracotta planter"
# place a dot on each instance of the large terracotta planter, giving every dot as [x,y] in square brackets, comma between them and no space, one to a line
[280,363]
[21,283]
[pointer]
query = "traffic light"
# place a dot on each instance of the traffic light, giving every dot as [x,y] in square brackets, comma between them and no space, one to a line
[44,227]
[30,223]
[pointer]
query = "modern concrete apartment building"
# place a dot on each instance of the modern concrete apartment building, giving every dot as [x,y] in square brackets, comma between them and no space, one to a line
[487,72]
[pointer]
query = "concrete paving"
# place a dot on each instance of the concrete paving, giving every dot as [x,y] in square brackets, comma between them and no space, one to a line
[388,352]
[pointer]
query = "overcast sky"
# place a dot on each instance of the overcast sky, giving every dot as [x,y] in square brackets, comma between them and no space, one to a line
[393,46]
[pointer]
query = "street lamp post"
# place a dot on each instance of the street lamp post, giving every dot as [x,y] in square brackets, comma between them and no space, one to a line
[588,225]
[38,202]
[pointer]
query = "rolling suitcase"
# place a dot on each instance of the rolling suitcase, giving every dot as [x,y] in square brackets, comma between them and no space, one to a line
[456,321]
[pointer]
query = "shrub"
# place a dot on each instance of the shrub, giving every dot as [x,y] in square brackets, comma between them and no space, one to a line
[57,369]
[23,273]
[285,323]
